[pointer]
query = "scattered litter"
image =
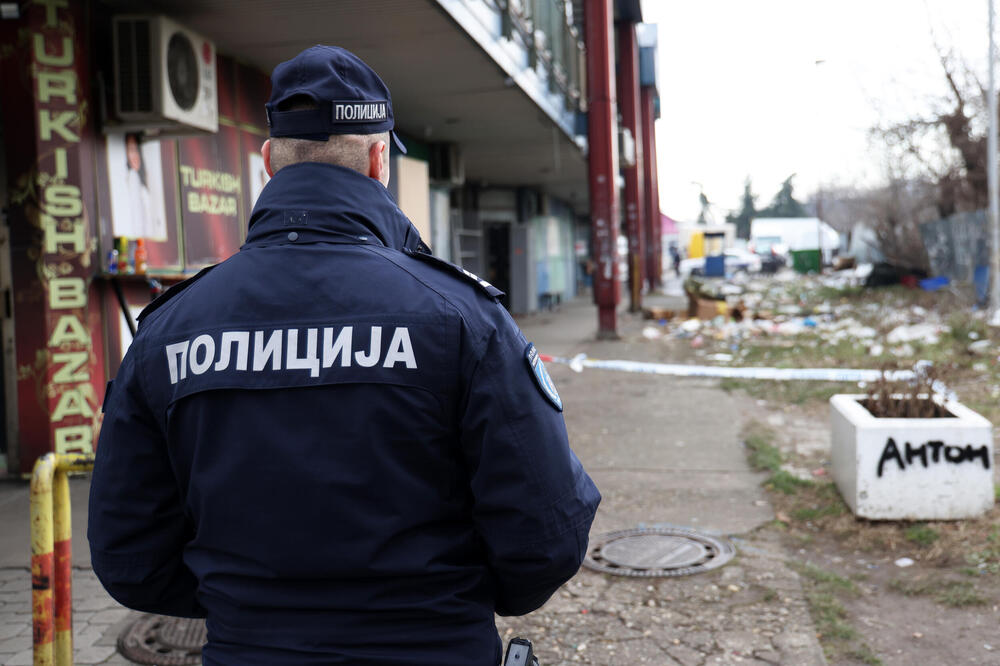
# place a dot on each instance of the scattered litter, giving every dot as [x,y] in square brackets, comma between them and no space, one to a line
[903,351]
[721,358]
[652,333]
[660,314]
[691,325]
[917,634]
[904,562]
[980,346]
[876,350]
[697,342]
[926,333]
[934,283]
[819,471]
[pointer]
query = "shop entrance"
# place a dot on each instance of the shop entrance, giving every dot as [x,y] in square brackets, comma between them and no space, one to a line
[498,258]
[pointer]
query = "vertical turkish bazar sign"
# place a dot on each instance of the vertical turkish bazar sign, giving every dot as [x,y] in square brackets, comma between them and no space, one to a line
[56,371]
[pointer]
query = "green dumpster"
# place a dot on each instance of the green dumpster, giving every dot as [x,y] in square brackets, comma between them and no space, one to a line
[806,261]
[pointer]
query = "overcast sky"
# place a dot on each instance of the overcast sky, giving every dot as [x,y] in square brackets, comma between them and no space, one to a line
[767,88]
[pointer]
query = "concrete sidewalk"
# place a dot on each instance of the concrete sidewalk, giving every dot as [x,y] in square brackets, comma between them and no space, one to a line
[662,450]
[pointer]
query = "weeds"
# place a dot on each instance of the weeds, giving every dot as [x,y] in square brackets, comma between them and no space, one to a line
[910,398]
[987,560]
[921,535]
[816,512]
[794,392]
[764,456]
[825,590]
[786,482]
[953,593]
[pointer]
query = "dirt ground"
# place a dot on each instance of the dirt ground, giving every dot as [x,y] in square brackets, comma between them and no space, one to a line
[811,584]
[942,609]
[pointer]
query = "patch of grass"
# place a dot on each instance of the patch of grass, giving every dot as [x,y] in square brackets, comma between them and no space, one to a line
[961,325]
[825,293]
[816,512]
[786,482]
[864,654]
[959,594]
[829,615]
[921,535]
[824,592]
[987,560]
[953,593]
[826,581]
[763,456]
[795,392]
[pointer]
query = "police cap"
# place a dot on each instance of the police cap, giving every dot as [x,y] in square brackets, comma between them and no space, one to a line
[350,97]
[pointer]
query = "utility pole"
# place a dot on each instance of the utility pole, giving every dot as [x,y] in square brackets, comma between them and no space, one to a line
[991,171]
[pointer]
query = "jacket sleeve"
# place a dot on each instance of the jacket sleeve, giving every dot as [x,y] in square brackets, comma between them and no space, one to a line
[137,528]
[533,501]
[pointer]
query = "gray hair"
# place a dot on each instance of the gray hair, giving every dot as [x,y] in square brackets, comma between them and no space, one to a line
[346,150]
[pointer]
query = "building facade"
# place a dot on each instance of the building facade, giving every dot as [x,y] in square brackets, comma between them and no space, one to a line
[130,159]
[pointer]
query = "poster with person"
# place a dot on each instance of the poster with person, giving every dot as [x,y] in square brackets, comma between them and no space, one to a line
[135,176]
[258,176]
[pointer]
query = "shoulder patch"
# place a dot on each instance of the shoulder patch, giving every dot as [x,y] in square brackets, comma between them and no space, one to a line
[449,267]
[541,376]
[171,292]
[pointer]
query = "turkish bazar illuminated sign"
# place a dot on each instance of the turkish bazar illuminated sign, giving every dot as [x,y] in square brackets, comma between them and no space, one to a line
[67,244]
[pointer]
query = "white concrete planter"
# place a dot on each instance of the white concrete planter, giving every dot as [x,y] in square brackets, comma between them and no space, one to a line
[912,469]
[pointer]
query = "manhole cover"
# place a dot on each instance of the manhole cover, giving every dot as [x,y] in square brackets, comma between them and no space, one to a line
[163,641]
[657,551]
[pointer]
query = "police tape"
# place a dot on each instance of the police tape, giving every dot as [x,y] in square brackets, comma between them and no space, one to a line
[580,361]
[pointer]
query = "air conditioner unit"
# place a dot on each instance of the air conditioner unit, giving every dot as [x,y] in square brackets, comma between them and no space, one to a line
[446,164]
[165,77]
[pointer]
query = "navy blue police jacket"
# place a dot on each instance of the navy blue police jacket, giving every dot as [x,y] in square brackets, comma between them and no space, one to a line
[335,447]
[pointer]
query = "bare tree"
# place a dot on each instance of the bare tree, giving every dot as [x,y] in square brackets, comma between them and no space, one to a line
[935,165]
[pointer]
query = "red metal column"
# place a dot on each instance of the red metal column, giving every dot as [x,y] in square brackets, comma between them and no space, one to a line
[654,239]
[635,213]
[602,162]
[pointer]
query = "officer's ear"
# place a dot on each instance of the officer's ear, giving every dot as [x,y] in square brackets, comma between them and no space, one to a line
[378,162]
[265,152]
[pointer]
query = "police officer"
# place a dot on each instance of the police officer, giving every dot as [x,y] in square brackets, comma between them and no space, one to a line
[334,446]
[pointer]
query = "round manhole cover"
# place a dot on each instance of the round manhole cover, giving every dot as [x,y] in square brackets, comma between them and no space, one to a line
[163,641]
[657,551]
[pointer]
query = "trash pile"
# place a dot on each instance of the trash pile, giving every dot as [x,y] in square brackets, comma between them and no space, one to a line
[726,319]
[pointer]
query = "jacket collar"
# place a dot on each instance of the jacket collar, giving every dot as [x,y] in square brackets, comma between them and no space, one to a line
[325,202]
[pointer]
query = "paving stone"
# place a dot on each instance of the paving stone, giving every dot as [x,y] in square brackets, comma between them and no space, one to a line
[94,603]
[113,631]
[16,643]
[117,660]
[9,629]
[22,658]
[94,654]
[87,636]
[110,616]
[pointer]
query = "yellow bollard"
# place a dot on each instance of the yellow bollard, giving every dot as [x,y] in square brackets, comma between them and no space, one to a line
[51,557]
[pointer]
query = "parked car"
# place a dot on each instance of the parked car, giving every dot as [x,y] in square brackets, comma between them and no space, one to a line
[773,253]
[736,261]
[741,260]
